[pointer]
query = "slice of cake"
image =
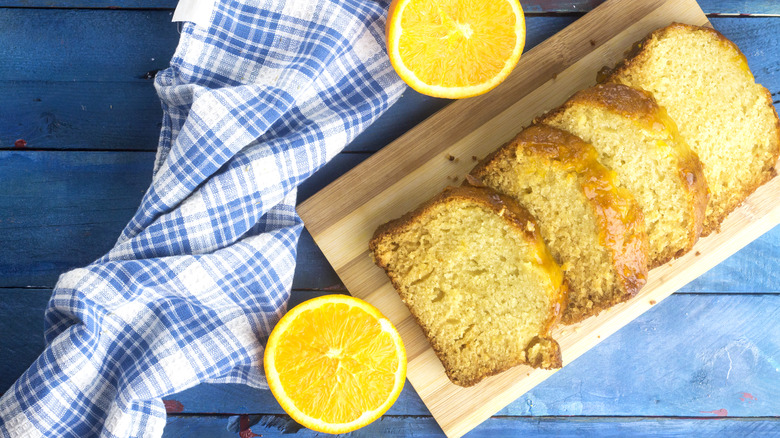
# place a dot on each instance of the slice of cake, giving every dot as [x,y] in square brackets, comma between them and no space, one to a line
[595,229]
[473,270]
[703,81]
[637,139]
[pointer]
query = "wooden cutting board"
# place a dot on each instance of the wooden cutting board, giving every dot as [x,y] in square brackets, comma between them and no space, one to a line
[441,151]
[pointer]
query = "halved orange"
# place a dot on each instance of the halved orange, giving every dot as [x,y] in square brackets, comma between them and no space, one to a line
[454,48]
[335,363]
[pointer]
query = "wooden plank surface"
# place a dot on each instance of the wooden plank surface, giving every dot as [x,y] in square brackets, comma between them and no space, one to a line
[80,115]
[90,4]
[680,334]
[530,6]
[85,110]
[343,216]
[61,212]
[90,196]
[273,426]
[66,99]
[715,364]
[113,72]
[708,6]
[74,45]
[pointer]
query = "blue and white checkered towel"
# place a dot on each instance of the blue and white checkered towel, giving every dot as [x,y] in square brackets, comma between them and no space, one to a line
[253,105]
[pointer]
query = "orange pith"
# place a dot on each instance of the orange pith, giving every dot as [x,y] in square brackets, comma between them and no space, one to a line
[335,363]
[454,48]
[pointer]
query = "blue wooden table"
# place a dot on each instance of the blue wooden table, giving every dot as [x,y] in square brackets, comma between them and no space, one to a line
[79,121]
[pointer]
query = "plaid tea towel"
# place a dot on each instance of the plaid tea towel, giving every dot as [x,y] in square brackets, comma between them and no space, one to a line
[254,103]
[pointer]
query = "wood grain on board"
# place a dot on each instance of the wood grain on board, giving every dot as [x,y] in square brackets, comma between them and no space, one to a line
[441,150]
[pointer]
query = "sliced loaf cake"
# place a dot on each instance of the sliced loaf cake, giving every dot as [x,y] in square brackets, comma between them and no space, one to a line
[703,81]
[637,139]
[595,229]
[473,270]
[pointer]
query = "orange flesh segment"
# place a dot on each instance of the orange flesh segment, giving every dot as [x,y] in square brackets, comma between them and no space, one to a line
[343,359]
[457,43]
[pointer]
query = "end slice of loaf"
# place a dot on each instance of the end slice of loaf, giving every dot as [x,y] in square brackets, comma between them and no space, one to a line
[475,273]
[595,229]
[703,81]
[637,139]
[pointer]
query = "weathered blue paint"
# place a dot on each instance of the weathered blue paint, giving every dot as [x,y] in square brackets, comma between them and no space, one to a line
[708,6]
[75,190]
[275,426]
[71,114]
[690,356]
[57,104]
[62,210]
[21,331]
[113,46]
[530,6]
[80,115]
[84,45]
[75,83]
[91,4]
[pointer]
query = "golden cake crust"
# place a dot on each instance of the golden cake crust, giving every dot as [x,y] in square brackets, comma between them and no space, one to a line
[639,54]
[523,221]
[484,196]
[620,221]
[640,107]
